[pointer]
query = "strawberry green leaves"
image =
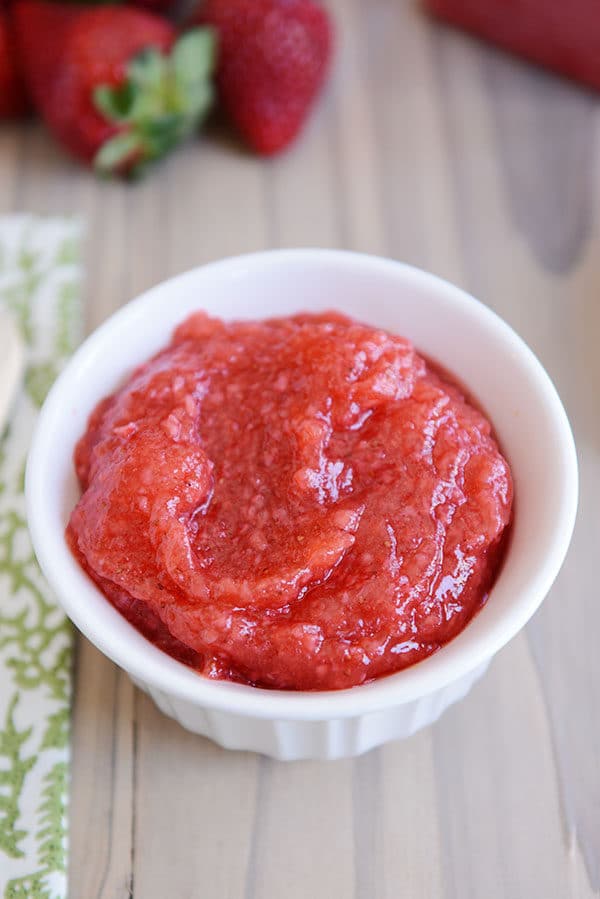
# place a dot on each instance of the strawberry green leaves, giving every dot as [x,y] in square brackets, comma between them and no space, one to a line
[162,101]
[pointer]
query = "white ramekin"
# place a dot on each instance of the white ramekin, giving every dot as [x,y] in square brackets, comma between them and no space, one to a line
[447,325]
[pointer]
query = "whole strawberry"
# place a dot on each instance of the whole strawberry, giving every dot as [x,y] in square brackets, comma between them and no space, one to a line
[13,98]
[112,82]
[273,59]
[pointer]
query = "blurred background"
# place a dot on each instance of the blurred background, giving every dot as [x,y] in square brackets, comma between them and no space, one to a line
[438,148]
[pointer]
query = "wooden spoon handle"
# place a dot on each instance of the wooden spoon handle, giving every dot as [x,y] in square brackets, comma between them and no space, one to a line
[12,361]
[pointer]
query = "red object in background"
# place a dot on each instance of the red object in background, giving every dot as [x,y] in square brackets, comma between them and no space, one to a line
[273,60]
[88,46]
[113,83]
[563,35]
[13,97]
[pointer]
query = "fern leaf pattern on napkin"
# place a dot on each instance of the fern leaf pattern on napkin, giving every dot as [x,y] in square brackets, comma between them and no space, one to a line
[40,283]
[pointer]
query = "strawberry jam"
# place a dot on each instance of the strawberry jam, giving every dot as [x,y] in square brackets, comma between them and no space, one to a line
[301,503]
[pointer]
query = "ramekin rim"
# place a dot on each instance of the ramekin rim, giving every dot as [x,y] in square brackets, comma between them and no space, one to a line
[160,671]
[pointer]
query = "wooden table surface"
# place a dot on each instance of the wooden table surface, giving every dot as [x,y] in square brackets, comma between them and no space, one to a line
[436,150]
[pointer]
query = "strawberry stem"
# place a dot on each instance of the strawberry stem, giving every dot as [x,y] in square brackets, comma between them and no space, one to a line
[162,101]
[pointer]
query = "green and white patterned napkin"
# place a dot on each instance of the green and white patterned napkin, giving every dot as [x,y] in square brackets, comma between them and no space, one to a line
[40,284]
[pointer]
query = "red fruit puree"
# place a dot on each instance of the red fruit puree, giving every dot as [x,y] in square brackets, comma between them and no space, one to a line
[302,503]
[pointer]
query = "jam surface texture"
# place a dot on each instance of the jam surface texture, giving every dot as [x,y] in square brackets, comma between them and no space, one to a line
[301,503]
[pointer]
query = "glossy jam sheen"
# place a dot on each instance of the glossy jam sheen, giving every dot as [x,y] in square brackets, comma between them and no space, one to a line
[300,503]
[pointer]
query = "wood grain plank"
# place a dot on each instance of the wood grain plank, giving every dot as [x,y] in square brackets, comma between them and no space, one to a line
[301,210]
[499,801]
[397,842]
[415,184]
[560,635]
[214,204]
[101,779]
[194,812]
[411,837]
[545,144]
[353,140]
[304,821]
